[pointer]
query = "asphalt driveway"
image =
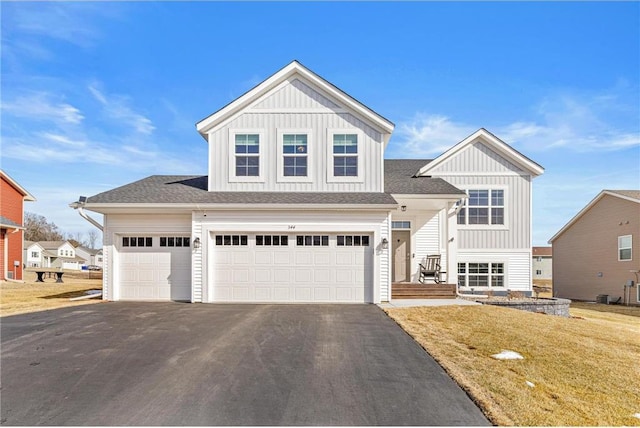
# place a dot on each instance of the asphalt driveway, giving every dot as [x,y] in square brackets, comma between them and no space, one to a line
[201,364]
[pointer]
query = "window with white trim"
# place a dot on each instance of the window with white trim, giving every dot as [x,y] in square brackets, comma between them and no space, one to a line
[401,224]
[35,254]
[345,155]
[483,206]
[624,248]
[295,155]
[247,155]
[481,275]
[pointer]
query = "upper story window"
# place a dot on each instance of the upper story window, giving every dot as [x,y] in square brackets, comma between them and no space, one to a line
[624,247]
[247,150]
[345,155]
[294,148]
[245,155]
[35,254]
[483,207]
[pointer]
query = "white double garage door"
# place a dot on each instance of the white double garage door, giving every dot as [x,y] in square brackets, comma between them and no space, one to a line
[256,268]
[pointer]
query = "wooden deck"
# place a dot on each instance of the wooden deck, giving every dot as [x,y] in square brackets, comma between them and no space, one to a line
[405,290]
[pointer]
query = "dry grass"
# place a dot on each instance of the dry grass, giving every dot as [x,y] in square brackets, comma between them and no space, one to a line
[16,298]
[544,286]
[585,370]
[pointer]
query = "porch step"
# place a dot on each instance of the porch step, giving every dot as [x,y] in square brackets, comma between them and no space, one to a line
[423,291]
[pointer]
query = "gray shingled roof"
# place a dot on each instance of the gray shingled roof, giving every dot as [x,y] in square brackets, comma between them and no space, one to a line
[163,189]
[400,179]
[192,189]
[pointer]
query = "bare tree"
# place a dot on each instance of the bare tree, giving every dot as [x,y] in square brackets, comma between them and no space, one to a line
[37,228]
[92,238]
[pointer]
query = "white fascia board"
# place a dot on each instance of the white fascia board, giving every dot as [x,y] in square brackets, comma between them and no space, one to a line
[270,83]
[587,208]
[495,143]
[188,208]
[452,197]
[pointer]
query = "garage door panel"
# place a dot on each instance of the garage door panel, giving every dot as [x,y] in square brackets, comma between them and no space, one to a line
[291,273]
[263,294]
[240,275]
[155,273]
[263,258]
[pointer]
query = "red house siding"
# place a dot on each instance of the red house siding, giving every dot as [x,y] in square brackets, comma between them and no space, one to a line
[11,207]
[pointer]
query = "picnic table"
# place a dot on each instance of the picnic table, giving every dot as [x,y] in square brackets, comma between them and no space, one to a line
[42,272]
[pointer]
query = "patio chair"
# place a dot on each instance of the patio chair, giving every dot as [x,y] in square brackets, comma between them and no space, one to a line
[431,268]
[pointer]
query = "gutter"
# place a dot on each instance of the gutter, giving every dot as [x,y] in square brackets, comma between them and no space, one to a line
[79,205]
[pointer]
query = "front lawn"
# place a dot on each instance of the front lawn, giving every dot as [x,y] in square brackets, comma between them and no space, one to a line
[31,296]
[584,370]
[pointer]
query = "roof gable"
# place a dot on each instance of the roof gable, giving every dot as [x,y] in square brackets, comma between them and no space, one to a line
[283,78]
[503,155]
[27,196]
[302,94]
[628,195]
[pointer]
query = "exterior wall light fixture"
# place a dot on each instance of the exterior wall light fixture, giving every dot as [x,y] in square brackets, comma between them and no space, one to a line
[385,243]
[196,243]
[403,208]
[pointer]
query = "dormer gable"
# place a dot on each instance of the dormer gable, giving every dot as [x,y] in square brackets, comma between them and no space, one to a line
[482,153]
[296,78]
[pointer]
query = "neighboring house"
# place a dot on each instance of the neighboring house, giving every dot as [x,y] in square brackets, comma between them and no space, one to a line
[542,264]
[12,197]
[53,254]
[300,206]
[598,251]
[90,255]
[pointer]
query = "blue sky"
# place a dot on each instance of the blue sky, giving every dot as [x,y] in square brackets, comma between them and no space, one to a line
[96,95]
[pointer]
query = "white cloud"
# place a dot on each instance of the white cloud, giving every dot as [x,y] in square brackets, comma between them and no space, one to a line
[117,107]
[429,135]
[601,122]
[41,106]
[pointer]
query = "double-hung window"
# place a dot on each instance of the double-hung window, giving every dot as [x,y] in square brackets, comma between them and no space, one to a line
[483,207]
[345,155]
[294,148]
[245,155]
[247,150]
[624,247]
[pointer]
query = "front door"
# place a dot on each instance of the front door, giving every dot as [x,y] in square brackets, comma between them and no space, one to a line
[401,256]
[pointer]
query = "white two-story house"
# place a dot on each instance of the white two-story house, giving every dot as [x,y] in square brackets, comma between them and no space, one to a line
[299,205]
[52,254]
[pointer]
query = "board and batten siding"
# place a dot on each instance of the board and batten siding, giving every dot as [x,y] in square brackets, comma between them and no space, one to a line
[477,158]
[516,234]
[297,108]
[296,94]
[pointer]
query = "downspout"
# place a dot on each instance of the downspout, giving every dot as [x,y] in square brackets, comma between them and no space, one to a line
[79,206]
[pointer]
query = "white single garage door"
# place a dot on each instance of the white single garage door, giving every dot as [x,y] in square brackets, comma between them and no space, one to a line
[155,268]
[267,267]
